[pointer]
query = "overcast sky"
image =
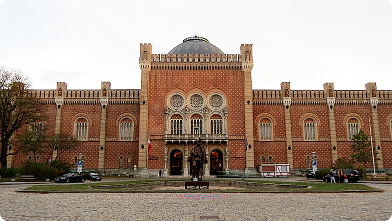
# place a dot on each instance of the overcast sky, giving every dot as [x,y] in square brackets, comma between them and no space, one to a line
[305,42]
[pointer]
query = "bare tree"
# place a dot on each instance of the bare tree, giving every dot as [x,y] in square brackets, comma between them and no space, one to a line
[60,143]
[17,108]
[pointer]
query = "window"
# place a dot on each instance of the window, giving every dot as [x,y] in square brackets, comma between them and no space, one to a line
[262,159]
[29,158]
[196,124]
[121,162]
[352,127]
[81,129]
[265,129]
[176,123]
[270,159]
[129,162]
[37,128]
[216,124]
[309,129]
[126,129]
[75,158]
[37,159]
[307,161]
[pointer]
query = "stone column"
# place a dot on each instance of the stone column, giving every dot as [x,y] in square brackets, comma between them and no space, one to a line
[376,132]
[145,66]
[332,128]
[371,90]
[286,92]
[105,88]
[59,99]
[329,93]
[247,66]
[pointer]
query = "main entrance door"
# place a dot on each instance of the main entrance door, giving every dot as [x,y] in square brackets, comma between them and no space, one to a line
[176,162]
[216,162]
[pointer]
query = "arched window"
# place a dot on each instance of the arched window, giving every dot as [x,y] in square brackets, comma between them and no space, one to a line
[121,159]
[196,124]
[270,159]
[129,158]
[307,161]
[37,159]
[81,131]
[310,129]
[176,124]
[75,158]
[265,129]
[216,124]
[29,158]
[126,129]
[262,159]
[352,127]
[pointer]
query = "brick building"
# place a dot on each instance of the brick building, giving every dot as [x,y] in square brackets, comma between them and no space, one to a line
[197,90]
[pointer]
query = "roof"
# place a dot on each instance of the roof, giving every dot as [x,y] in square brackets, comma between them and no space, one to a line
[195,45]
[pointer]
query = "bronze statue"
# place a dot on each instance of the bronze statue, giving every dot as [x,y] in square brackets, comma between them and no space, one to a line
[197,158]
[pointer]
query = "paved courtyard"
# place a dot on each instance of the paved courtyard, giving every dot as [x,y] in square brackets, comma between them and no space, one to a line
[181,206]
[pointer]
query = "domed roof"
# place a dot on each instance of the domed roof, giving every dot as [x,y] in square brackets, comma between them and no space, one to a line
[195,45]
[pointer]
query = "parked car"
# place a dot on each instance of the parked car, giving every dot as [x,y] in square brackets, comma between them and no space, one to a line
[350,176]
[69,178]
[91,176]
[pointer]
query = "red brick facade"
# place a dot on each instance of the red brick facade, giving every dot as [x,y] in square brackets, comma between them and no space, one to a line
[214,78]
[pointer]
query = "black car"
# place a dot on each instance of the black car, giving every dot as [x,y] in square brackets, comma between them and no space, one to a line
[310,175]
[69,178]
[91,176]
[351,176]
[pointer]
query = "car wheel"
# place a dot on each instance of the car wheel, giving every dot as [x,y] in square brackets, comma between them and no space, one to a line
[68,181]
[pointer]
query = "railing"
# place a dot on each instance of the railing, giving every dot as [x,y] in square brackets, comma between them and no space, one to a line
[193,137]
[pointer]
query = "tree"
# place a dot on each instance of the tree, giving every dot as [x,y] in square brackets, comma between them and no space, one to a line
[17,108]
[60,143]
[362,152]
[33,141]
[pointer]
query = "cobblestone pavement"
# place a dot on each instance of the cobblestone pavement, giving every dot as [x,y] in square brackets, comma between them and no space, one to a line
[182,206]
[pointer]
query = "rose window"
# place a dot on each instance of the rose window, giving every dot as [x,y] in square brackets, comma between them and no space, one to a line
[216,101]
[196,101]
[177,101]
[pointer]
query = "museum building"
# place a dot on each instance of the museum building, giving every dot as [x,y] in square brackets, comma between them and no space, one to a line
[196,90]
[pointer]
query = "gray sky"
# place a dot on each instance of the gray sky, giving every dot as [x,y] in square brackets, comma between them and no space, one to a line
[305,42]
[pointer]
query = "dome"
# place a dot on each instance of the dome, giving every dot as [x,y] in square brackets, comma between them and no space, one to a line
[195,45]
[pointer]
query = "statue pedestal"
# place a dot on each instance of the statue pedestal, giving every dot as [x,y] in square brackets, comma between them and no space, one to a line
[196,184]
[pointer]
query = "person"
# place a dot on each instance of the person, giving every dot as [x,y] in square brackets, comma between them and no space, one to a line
[341,176]
[332,175]
[160,173]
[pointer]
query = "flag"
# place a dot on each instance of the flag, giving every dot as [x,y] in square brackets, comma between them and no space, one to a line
[149,148]
[246,142]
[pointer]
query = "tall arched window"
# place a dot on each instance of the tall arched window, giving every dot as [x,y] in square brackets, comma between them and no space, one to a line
[262,159]
[121,160]
[352,127]
[310,129]
[196,124]
[307,161]
[37,128]
[176,124]
[216,124]
[270,159]
[126,129]
[265,129]
[129,158]
[81,131]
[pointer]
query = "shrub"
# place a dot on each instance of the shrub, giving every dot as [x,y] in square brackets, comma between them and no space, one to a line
[361,170]
[320,173]
[40,171]
[343,163]
[8,172]
[60,167]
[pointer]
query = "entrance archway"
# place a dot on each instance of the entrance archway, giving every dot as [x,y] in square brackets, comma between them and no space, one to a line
[176,162]
[216,159]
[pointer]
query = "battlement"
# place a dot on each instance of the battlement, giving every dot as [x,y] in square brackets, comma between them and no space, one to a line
[195,58]
[113,93]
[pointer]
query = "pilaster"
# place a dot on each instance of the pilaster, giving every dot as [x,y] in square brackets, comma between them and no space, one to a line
[59,99]
[286,91]
[105,88]
[371,90]
[145,66]
[247,66]
[329,92]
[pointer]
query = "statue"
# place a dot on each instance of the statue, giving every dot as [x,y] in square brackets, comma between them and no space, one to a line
[197,158]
